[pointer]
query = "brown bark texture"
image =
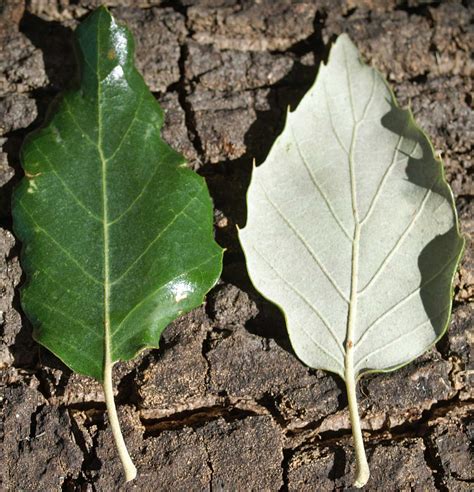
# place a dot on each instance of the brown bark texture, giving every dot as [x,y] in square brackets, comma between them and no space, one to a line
[225,404]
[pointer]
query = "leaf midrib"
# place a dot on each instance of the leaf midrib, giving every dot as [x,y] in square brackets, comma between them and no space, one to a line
[352,310]
[105,218]
[358,223]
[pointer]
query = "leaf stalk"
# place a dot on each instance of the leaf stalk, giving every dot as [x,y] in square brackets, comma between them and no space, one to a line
[127,463]
[362,467]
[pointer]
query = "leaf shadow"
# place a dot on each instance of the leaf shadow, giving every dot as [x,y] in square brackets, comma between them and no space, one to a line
[228,181]
[55,42]
[443,250]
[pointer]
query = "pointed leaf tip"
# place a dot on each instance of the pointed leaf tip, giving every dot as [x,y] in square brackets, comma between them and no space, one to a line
[103,45]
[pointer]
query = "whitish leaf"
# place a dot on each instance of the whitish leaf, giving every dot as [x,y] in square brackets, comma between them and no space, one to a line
[117,233]
[352,230]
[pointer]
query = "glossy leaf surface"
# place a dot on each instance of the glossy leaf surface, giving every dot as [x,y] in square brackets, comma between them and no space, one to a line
[368,243]
[117,232]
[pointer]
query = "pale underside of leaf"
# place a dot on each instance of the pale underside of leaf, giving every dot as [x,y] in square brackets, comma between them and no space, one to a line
[366,230]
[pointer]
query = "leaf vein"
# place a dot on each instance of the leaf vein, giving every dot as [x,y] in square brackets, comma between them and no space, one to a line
[371,97]
[59,246]
[399,242]
[76,293]
[316,185]
[76,123]
[308,303]
[80,351]
[53,309]
[402,301]
[305,244]
[133,120]
[181,212]
[385,177]
[349,87]
[142,301]
[331,121]
[65,185]
[136,199]
[399,338]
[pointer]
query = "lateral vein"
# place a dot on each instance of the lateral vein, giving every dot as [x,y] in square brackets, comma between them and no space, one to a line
[306,301]
[305,244]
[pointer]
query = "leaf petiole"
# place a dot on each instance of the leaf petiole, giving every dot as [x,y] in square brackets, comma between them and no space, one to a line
[127,463]
[362,467]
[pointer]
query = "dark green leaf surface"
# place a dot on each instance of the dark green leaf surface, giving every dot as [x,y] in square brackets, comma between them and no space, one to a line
[117,233]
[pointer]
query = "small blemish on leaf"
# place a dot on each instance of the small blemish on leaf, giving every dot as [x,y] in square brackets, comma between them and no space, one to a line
[56,134]
[111,55]
[32,187]
[181,290]
[180,297]
[31,176]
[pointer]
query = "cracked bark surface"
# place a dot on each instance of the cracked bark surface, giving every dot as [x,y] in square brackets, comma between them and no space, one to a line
[225,405]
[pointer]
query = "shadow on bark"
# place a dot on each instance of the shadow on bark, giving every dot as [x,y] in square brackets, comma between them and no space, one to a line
[55,42]
[228,181]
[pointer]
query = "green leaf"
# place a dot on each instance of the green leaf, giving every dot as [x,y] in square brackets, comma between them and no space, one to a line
[117,232]
[367,234]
